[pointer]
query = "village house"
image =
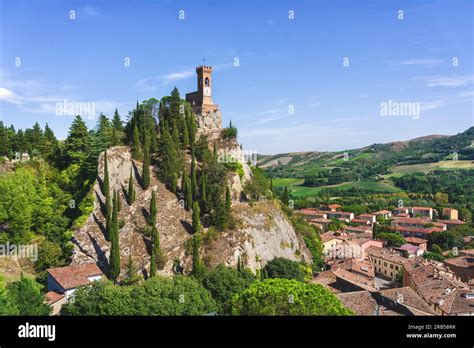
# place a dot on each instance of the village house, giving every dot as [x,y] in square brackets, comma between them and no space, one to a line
[321,223]
[311,213]
[340,215]
[462,266]
[369,218]
[401,210]
[385,214]
[387,263]
[451,223]
[450,214]
[409,250]
[416,227]
[334,207]
[425,212]
[64,281]
[420,243]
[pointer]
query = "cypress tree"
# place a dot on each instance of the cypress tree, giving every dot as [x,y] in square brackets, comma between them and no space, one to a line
[114,260]
[119,202]
[198,268]
[131,276]
[203,191]
[108,202]
[174,183]
[239,269]
[196,220]
[153,209]
[106,182]
[131,189]
[374,231]
[285,198]
[136,145]
[188,195]
[146,162]
[271,184]
[193,175]
[185,133]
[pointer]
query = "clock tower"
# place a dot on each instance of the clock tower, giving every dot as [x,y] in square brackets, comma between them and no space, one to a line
[201,100]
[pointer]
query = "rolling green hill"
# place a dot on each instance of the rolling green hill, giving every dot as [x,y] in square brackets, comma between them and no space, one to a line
[372,169]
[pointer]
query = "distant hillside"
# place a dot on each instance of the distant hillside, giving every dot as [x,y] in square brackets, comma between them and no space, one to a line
[372,168]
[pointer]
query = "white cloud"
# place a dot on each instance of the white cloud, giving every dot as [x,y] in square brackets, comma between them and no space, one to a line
[427,62]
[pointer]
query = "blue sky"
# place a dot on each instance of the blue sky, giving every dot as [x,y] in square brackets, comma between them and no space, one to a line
[285,64]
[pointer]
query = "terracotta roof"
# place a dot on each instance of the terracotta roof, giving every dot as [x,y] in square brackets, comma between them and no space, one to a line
[72,276]
[333,206]
[420,221]
[366,216]
[382,212]
[408,298]
[361,221]
[428,230]
[52,297]
[388,255]
[452,222]
[462,261]
[422,208]
[414,240]
[363,282]
[361,302]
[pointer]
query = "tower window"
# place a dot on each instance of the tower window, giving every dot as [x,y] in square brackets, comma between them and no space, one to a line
[206,81]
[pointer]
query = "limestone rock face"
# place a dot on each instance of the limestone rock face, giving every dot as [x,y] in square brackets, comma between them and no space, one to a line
[210,120]
[265,234]
[173,222]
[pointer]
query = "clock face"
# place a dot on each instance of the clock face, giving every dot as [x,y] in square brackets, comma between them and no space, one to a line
[207,91]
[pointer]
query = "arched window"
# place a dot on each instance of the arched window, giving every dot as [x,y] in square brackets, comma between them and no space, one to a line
[206,81]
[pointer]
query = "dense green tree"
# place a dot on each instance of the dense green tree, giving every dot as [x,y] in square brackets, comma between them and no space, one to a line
[283,268]
[287,297]
[26,296]
[224,282]
[152,220]
[6,305]
[164,296]
[203,192]
[77,145]
[391,239]
[117,129]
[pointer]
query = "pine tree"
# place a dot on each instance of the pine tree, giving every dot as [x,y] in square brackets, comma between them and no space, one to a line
[114,260]
[285,199]
[188,197]
[131,189]
[77,145]
[146,162]
[136,145]
[117,127]
[196,217]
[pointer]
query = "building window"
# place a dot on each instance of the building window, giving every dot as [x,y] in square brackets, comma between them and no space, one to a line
[206,81]
[391,274]
[391,266]
[385,264]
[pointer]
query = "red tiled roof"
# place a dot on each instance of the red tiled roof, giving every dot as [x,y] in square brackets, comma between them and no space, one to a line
[52,297]
[381,212]
[72,276]
[414,240]
[422,208]
[452,222]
